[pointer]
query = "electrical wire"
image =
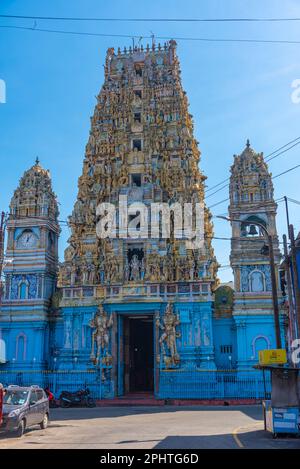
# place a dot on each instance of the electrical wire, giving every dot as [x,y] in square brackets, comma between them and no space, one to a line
[274,177]
[293,201]
[267,158]
[218,190]
[257,206]
[141,20]
[165,38]
[287,171]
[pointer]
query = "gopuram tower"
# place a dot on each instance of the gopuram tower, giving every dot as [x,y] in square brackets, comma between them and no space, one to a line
[31,271]
[138,306]
[252,202]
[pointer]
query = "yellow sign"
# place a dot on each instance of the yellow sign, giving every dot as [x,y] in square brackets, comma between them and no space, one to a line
[272,357]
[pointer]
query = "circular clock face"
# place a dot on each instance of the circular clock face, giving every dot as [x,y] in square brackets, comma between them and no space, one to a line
[27,240]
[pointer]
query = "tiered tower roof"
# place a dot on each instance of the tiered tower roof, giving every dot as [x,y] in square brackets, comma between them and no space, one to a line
[141,145]
[34,196]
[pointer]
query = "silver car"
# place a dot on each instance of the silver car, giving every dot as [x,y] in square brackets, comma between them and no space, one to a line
[24,407]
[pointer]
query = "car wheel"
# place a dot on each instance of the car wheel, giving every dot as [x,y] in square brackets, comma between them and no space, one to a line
[44,423]
[21,428]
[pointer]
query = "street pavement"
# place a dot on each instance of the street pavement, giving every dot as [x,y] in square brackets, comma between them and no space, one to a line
[166,427]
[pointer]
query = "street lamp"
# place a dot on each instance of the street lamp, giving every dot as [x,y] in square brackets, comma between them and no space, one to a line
[273,273]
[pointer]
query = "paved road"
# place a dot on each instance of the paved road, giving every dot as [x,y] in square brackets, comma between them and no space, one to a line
[152,427]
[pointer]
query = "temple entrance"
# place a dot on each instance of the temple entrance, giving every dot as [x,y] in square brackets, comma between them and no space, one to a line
[138,354]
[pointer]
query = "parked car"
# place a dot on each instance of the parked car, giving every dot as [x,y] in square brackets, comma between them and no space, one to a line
[24,407]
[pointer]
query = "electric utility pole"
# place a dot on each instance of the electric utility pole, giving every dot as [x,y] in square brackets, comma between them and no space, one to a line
[295,277]
[292,316]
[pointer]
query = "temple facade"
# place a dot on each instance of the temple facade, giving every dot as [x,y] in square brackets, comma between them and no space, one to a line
[136,299]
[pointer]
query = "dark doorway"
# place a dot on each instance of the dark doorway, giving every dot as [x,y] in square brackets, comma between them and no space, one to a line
[138,354]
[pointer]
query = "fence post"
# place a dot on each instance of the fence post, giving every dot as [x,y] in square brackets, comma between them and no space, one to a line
[54,382]
[223,385]
[256,387]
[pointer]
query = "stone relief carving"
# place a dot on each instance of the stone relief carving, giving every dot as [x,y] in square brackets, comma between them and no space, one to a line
[167,340]
[101,325]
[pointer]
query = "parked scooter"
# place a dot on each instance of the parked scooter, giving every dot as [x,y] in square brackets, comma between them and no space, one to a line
[78,398]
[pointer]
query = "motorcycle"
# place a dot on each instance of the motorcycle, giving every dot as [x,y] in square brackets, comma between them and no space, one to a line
[78,398]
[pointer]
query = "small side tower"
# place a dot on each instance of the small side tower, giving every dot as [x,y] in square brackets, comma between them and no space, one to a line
[252,201]
[31,269]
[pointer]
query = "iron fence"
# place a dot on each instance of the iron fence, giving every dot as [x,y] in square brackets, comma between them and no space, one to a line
[172,384]
[58,381]
[214,384]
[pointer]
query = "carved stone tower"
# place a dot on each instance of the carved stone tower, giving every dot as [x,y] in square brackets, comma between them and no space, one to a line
[141,149]
[31,269]
[252,201]
[141,146]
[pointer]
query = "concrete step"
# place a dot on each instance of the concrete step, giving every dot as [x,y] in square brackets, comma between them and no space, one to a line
[125,401]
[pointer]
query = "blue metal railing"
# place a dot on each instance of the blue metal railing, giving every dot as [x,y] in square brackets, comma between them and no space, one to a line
[173,384]
[212,384]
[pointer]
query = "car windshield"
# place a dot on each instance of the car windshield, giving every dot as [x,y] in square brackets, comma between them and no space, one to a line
[15,397]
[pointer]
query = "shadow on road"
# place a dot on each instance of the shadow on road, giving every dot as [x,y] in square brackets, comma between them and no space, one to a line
[254,412]
[225,441]
[260,439]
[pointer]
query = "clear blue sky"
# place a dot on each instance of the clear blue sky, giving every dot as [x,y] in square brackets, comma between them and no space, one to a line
[236,91]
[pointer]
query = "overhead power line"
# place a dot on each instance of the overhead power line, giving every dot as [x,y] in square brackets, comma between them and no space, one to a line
[274,177]
[164,38]
[287,171]
[257,206]
[218,203]
[293,201]
[161,20]
[267,158]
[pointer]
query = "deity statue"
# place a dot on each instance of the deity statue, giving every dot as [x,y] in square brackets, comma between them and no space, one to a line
[135,268]
[153,267]
[192,270]
[142,269]
[102,270]
[126,271]
[91,273]
[167,268]
[74,274]
[169,335]
[123,176]
[85,273]
[111,268]
[100,335]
